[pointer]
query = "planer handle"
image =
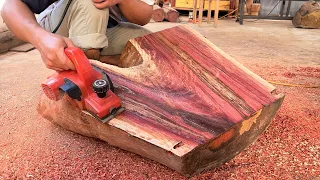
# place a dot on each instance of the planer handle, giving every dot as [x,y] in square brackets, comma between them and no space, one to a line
[79,59]
[83,67]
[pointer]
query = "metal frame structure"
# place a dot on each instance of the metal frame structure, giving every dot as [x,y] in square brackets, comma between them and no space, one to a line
[281,17]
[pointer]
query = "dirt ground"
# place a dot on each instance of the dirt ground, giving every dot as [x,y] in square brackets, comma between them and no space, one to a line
[33,148]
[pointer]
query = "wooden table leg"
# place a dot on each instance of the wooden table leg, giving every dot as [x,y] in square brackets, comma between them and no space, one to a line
[201,12]
[241,10]
[194,11]
[209,12]
[249,6]
[236,6]
[216,14]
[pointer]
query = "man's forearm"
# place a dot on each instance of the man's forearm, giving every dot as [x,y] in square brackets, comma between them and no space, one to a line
[136,11]
[20,20]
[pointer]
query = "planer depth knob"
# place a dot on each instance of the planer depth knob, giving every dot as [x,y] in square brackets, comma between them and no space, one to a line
[101,87]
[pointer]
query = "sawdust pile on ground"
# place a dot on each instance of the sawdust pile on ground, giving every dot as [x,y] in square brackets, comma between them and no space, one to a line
[33,148]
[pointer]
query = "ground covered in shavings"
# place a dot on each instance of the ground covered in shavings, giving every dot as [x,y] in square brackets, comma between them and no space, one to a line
[33,148]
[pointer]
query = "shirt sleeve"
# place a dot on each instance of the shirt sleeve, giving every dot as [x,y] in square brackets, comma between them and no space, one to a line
[150,2]
[37,6]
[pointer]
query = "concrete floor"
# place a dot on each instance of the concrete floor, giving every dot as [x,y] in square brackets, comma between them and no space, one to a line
[31,147]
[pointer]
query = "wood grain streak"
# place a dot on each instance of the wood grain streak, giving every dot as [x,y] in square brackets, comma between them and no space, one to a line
[198,94]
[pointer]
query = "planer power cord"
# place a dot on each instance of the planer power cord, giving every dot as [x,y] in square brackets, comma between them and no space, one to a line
[62,17]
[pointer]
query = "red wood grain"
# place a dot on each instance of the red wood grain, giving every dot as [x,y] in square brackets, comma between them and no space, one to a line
[189,91]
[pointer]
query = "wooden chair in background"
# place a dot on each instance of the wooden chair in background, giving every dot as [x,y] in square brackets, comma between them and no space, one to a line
[201,6]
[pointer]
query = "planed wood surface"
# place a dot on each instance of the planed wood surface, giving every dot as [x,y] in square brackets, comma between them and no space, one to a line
[188,105]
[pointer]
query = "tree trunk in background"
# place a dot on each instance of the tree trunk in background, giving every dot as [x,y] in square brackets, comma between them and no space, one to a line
[171,14]
[158,13]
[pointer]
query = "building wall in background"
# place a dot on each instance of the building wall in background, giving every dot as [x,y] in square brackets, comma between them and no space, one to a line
[268,5]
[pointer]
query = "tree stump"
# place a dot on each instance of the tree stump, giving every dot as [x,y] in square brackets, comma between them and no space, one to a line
[308,16]
[188,105]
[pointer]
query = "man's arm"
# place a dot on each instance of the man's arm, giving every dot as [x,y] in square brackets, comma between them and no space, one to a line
[135,11]
[21,21]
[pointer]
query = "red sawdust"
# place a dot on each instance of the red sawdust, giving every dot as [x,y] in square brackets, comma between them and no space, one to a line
[289,75]
[309,72]
[33,148]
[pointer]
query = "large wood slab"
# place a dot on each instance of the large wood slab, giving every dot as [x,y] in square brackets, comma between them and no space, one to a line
[188,105]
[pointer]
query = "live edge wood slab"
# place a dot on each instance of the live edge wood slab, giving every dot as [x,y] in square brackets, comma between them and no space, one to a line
[188,105]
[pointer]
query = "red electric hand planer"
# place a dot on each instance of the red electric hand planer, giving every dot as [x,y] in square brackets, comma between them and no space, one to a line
[89,87]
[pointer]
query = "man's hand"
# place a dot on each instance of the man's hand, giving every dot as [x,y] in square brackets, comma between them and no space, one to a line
[101,4]
[51,48]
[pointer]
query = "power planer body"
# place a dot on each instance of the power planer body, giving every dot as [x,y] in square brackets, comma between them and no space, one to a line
[88,87]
